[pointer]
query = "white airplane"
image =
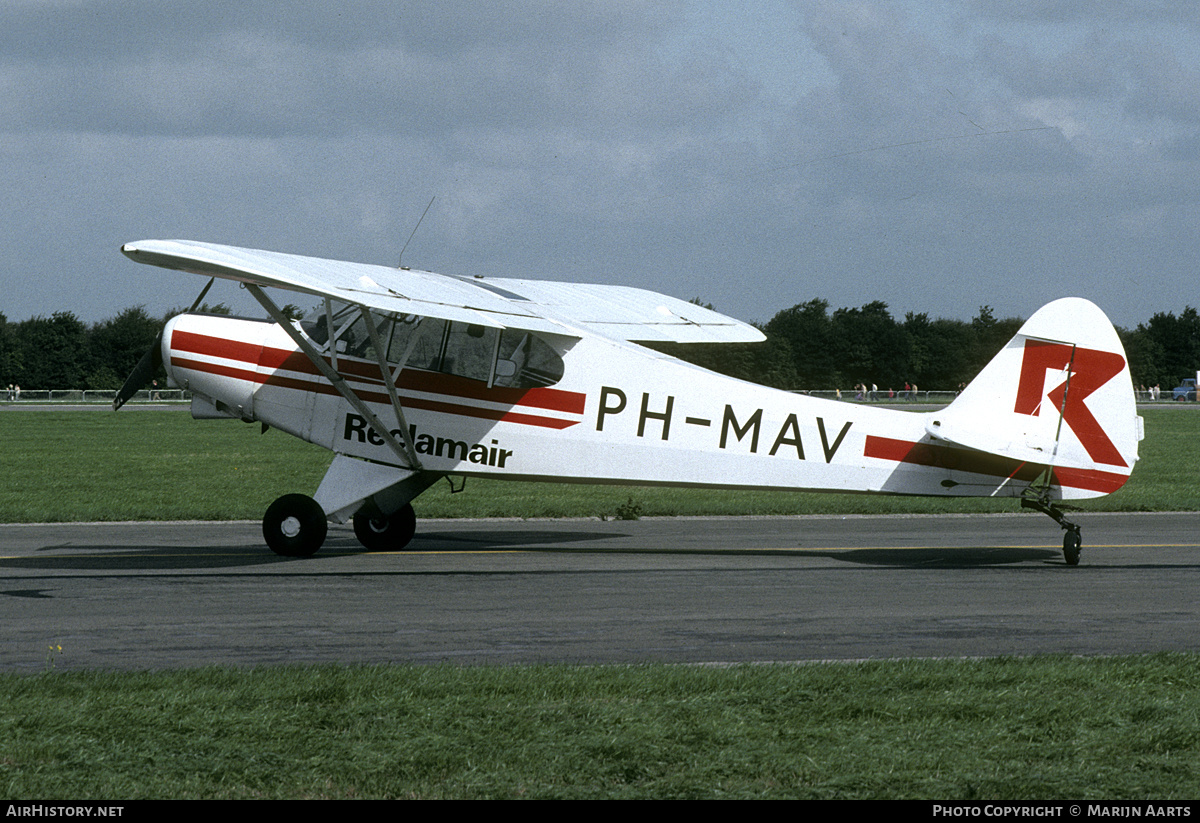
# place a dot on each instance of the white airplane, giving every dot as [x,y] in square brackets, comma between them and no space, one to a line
[409,376]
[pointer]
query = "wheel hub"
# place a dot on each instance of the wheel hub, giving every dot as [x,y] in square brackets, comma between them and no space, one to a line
[290,527]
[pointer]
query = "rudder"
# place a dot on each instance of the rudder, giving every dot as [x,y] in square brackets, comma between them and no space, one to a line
[1058,394]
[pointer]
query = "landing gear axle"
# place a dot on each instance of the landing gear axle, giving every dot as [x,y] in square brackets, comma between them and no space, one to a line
[1072,540]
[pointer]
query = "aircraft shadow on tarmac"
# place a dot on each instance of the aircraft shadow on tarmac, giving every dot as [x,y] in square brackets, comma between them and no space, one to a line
[342,543]
[542,542]
[83,557]
[951,558]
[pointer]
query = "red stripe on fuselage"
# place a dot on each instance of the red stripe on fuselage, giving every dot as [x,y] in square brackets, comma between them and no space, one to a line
[965,460]
[555,400]
[249,353]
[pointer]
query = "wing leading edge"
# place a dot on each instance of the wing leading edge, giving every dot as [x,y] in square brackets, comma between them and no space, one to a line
[620,312]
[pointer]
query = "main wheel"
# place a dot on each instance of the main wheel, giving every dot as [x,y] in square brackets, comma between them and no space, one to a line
[294,526]
[1072,541]
[385,533]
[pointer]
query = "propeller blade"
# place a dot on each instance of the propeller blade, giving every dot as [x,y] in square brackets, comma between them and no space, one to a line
[142,373]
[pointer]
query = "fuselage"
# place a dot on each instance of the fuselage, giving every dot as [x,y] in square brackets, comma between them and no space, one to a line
[605,412]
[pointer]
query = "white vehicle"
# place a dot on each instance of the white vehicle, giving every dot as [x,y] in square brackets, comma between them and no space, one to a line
[409,376]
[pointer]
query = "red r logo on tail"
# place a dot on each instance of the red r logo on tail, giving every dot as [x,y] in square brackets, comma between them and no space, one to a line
[1089,370]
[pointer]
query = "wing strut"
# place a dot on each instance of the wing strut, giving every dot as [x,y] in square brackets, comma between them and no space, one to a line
[390,382]
[405,450]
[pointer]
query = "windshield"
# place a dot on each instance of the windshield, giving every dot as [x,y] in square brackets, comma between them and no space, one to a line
[509,358]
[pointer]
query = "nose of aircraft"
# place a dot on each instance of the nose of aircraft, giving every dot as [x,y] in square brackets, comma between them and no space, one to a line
[164,344]
[217,358]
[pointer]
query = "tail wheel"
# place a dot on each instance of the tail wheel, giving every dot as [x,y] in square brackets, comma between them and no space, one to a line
[1072,541]
[385,533]
[294,526]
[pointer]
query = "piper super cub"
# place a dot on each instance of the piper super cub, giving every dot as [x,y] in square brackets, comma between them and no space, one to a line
[409,376]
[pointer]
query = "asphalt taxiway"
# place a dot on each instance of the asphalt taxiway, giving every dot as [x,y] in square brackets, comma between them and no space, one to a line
[699,590]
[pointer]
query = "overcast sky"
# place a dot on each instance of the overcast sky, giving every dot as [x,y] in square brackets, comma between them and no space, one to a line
[937,156]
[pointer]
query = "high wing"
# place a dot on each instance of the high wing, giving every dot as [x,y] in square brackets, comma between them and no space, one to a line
[620,312]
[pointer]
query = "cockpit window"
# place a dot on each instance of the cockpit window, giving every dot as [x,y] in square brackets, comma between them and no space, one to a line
[469,351]
[416,342]
[315,326]
[508,358]
[349,329]
[533,362]
[316,322]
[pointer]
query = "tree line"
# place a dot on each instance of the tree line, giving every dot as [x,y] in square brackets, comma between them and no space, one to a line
[808,347]
[63,352]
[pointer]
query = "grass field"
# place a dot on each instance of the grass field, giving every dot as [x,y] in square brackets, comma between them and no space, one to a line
[1044,728]
[63,466]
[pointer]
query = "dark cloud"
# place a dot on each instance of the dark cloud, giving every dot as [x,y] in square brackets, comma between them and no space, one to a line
[937,157]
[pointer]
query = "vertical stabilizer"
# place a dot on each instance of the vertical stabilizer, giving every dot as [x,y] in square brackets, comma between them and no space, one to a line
[1058,394]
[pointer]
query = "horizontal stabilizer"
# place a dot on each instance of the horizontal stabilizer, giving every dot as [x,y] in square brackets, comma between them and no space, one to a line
[1020,443]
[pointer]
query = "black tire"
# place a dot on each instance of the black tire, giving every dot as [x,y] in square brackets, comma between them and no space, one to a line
[1071,545]
[384,533]
[295,526]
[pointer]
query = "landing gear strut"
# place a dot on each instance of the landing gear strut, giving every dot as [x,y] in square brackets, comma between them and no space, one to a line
[1072,540]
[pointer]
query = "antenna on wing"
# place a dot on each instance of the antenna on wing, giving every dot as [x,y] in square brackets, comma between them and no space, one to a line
[400,262]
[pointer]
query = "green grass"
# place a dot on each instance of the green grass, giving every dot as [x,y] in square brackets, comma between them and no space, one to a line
[1055,727]
[63,466]
[148,465]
